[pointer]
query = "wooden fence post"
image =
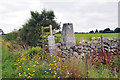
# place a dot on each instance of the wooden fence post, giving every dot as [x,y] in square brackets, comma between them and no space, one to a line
[102,43]
[42,37]
[51,30]
[86,64]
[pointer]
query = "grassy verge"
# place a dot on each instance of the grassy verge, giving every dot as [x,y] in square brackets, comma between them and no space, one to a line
[37,63]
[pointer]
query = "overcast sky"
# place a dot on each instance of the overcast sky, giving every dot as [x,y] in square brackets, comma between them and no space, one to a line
[85,15]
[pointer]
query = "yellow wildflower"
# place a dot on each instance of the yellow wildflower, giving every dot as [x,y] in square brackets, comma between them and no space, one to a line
[58,77]
[32,75]
[19,66]
[28,77]
[33,65]
[28,68]
[54,61]
[19,74]
[25,75]
[33,71]
[29,73]
[50,69]
[53,75]
[55,64]
[37,63]
[45,71]
[23,58]
[43,63]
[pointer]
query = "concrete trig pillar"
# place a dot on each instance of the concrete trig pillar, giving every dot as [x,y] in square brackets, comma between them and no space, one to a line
[68,38]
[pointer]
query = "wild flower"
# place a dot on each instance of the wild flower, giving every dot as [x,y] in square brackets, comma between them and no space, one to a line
[50,69]
[19,74]
[28,68]
[32,75]
[54,68]
[43,64]
[54,61]
[33,65]
[53,75]
[45,71]
[29,77]
[29,73]
[58,77]
[33,71]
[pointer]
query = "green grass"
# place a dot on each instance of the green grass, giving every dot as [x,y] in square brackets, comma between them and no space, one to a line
[89,36]
[15,65]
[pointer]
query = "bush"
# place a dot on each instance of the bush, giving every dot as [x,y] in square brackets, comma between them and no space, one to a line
[11,36]
[33,51]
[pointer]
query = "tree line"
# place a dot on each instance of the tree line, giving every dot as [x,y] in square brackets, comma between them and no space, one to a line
[107,30]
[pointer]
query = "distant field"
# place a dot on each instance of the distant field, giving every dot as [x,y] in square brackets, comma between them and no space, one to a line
[89,36]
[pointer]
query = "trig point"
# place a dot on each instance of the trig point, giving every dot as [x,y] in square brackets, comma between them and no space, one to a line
[68,38]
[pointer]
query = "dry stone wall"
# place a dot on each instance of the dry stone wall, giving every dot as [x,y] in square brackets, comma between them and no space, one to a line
[87,46]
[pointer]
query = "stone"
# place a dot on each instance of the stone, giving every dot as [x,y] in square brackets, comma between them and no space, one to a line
[68,38]
[75,54]
[51,43]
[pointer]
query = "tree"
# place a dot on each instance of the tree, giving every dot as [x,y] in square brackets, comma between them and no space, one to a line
[91,31]
[111,31]
[107,30]
[31,32]
[100,31]
[117,30]
[96,31]
[1,31]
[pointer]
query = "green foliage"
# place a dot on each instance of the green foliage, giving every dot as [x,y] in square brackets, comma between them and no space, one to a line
[33,51]
[96,31]
[107,30]
[31,32]
[10,36]
[117,30]
[91,31]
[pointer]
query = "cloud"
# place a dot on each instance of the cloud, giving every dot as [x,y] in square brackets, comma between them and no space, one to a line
[85,15]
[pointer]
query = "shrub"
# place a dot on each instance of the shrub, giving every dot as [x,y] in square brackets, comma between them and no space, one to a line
[11,36]
[33,51]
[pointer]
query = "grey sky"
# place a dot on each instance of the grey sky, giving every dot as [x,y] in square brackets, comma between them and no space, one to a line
[85,15]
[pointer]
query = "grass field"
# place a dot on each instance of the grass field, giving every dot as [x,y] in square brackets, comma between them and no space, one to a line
[89,36]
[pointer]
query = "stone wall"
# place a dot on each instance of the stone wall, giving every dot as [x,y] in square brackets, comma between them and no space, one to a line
[86,47]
